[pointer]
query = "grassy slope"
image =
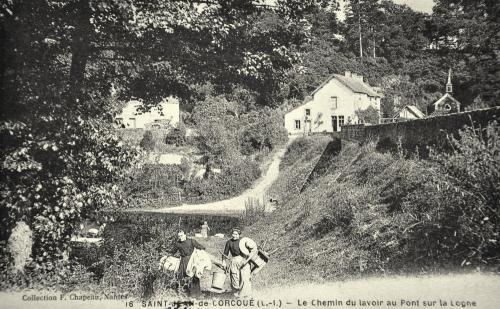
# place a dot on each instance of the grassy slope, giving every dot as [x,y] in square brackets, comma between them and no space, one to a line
[286,229]
[339,226]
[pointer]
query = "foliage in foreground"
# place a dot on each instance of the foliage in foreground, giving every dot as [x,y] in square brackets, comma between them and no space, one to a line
[52,180]
[125,263]
[62,79]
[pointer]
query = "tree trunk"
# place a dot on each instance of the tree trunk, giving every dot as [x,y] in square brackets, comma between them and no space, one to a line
[360,37]
[80,49]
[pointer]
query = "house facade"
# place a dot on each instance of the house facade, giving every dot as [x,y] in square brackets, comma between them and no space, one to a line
[332,104]
[410,112]
[165,114]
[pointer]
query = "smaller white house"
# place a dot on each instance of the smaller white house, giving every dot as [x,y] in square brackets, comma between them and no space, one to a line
[332,104]
[410,112]
[133,116]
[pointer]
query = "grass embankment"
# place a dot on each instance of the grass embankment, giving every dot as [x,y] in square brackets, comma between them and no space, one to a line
[382,213]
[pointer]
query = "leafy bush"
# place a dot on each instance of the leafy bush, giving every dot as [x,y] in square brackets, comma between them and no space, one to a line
[264,129]
[471,195]
[438,211]
[153,179]
[58,275]
[52,181]
[368,115]
[233,180]
[176,136]
[132,253]
[147,142]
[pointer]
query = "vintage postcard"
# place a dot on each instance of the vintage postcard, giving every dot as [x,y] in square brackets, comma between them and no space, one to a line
[250,154]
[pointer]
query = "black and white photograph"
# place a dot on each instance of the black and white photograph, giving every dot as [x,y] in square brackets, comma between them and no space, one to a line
[250,154]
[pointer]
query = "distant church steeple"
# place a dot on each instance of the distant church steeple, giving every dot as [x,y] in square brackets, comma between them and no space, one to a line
[449,86]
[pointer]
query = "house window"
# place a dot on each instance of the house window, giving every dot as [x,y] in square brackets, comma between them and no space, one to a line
[341,121]
[333,101]
[308,112]
[335,124]
[297,124]
[157,120]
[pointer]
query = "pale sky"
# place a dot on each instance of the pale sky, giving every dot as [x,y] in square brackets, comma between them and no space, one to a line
[417,5]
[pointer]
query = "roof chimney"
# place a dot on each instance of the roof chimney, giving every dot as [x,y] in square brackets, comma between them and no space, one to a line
[347,74]
[357,77]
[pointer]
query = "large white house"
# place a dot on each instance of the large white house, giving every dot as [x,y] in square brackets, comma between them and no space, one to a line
[332,104]
[165,114]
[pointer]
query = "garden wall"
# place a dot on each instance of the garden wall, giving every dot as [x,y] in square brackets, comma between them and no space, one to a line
[420,133]
[190,223]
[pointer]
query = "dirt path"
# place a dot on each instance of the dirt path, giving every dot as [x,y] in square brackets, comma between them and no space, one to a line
[234,205]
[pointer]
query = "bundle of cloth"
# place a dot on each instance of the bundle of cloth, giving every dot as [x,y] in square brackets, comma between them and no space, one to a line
[199,261]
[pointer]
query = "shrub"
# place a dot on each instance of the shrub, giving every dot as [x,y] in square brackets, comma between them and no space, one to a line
[368,115]
[232,180]
[147,142]
[444,210]
[154,182]
[471,194]
[264,130]
[176,136]
[58,275]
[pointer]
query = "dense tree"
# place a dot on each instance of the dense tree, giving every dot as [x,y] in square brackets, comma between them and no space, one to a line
[468,32]
[217,126]
[63,77]
[362,26]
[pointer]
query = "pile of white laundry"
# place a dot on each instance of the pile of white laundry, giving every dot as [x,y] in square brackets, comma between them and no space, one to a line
[198,263]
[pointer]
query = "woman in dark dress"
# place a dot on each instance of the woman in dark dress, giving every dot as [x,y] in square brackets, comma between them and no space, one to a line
[186,246]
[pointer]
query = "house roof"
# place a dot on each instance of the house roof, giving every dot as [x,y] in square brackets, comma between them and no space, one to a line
[413,109]
[444,97]
[354,84]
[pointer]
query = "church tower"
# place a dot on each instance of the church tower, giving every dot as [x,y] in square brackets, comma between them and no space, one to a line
[449,86]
